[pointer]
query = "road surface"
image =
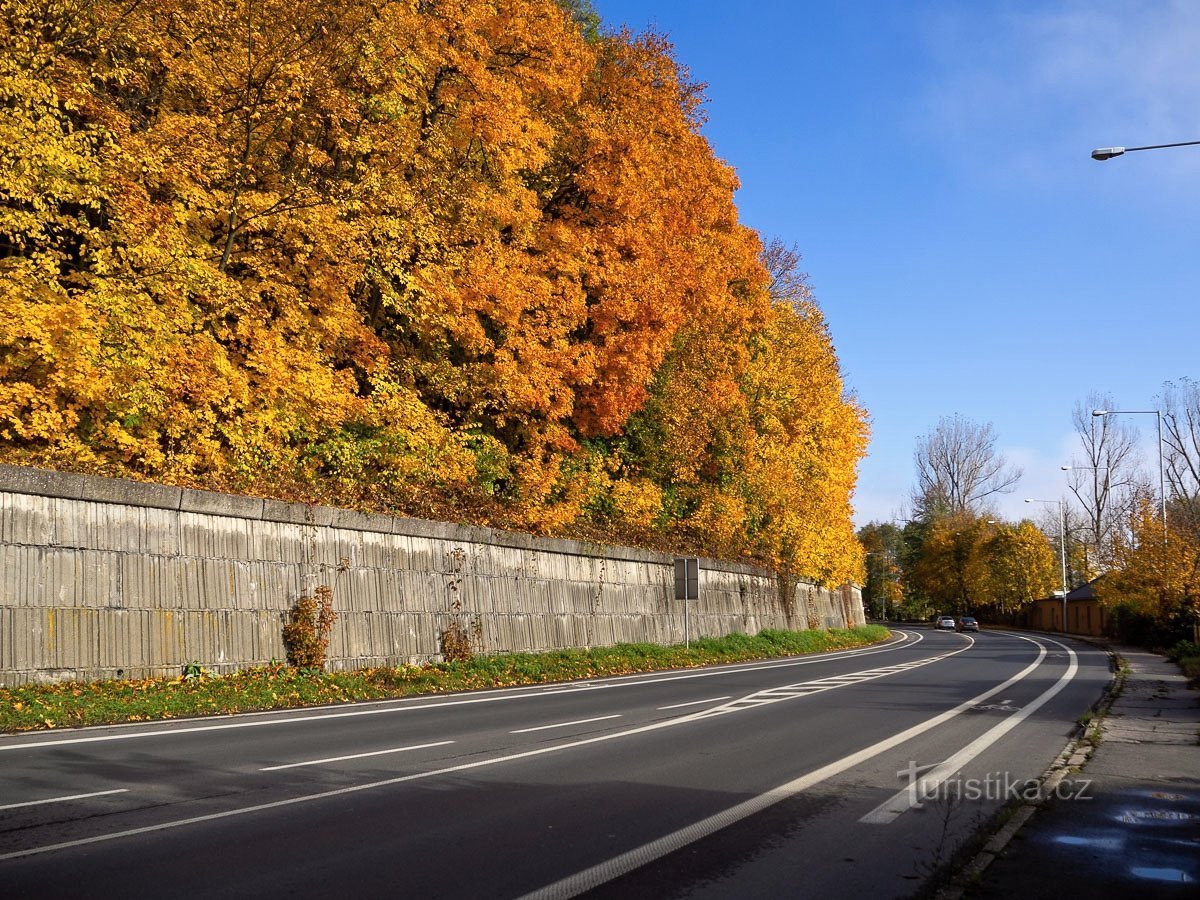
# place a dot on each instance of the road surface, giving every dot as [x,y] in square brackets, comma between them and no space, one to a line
[793,777]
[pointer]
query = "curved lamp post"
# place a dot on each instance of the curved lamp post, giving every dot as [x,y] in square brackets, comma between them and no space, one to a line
[1062,548]
[1109,152]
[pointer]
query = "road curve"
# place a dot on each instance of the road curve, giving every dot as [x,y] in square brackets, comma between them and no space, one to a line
[784,776]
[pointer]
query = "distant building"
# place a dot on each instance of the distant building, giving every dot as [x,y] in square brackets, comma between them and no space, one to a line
[1085,615]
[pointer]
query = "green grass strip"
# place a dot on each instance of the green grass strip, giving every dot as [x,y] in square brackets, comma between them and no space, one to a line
[277,686]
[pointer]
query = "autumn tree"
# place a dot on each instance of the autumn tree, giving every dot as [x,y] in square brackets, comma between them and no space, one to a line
[951,567]
[454,258]
[959,468]
[883,589]
[1021,566]
[1155,574]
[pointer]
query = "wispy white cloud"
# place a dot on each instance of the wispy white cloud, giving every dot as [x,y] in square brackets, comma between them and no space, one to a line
[1013,92]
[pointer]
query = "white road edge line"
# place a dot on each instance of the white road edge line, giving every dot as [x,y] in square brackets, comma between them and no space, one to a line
[904,800]
[481,763]
[564,724]
[693,703]
[61,799]
[333,759]
[508,694]
[576,884]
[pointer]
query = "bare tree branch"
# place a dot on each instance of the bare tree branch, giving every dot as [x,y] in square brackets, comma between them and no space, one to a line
[788,284]
[1181,437]
[958,468]
[1101,480]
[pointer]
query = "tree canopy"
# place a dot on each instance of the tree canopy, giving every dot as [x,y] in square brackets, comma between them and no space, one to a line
[464,259]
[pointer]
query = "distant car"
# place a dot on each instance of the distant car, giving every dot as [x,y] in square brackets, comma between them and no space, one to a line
[968,623]
[945,622]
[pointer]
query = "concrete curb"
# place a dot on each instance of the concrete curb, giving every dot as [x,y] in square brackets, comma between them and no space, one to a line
[1074,755]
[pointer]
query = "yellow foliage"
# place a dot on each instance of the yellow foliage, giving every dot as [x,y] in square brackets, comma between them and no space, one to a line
[638,502]
[443,258]
[1154,572]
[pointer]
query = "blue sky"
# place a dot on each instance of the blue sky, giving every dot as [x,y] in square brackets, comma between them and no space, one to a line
[931,161]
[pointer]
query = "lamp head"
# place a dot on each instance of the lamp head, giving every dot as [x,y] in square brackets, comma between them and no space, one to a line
[1107,153]
[1099,412]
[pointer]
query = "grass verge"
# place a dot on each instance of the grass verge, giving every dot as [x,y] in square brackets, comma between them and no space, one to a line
[1187,655]
[277,686]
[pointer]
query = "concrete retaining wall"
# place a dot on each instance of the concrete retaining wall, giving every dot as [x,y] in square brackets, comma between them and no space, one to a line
[105,578]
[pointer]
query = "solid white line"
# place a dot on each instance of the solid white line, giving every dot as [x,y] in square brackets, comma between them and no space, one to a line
[525,691]
[807,688]
[564,724]
[905,799]
[693,703]
[333,759]
[61,799]
[593,877]
[417,776]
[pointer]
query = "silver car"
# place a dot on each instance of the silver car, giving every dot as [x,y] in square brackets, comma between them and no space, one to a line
[945,623]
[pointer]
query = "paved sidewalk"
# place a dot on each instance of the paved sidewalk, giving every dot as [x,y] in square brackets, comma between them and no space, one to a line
[1135,831]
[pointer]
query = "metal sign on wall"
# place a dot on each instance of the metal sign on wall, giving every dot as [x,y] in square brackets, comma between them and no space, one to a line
[687,578]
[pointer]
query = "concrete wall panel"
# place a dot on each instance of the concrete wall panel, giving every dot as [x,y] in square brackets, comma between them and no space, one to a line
[104,578]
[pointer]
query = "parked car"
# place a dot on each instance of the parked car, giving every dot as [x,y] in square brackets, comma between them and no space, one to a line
[945,623]
[968,623]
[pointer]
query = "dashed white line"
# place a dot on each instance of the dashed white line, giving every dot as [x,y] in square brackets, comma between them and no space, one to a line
[61,799]
[564,724]
[479,763]
[693,703]
[333,759]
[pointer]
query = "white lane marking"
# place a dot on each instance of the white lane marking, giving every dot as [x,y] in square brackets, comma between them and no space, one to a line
[411,703]
[61,799]
[449,770]
[805,688]
[693,703]
[904,800]
[564,724]
[333,759]
[593,877]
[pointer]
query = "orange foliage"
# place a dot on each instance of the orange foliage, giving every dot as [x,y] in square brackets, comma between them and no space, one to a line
[459,257]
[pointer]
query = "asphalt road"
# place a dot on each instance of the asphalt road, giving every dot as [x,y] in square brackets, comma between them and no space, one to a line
[784,777]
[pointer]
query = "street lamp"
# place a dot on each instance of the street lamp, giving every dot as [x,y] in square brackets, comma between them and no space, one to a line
[1162,484]
[1109,152]
[1062,548]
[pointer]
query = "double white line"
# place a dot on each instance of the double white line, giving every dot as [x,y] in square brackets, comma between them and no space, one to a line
[597,875]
